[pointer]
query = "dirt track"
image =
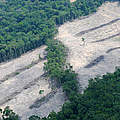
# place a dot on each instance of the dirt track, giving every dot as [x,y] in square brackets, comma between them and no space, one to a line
[93,42]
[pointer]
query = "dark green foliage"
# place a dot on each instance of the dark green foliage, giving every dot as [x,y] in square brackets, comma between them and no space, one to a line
[56,59]
[8,114]
[57,68]
[100,101]
[34,118]
[80,107]
[27,24]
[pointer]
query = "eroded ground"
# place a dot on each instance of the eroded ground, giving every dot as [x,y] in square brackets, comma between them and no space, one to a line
[94,47]
[93,42]
[22,79]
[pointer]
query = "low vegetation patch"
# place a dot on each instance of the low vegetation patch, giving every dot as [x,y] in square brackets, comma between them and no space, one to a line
[100,101]
[41,91]
[58,69]
[26,25]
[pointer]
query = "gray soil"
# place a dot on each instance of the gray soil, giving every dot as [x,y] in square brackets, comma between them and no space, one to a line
[93,42]
[21,80]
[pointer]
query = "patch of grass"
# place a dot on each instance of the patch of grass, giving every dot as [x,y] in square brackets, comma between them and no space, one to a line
[41,91]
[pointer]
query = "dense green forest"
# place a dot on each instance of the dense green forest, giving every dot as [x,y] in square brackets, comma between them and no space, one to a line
[28,24]
[100,101]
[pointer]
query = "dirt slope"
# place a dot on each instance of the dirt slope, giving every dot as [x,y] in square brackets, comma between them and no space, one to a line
[94,47]
[93,42]
[21,80]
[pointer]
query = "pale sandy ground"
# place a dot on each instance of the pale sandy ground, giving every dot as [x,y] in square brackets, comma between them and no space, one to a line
[99,55]
[100,35]
[21,90]
[19,63]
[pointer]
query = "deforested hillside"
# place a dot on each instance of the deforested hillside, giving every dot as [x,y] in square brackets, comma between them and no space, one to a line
[93,42]
[26,25]
[100,101]
[53,77]
[21,81]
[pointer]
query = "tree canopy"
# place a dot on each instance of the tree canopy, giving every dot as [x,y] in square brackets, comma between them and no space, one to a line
[27,24]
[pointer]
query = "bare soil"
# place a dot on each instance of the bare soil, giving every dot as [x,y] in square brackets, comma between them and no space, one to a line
[21,80]
[93,42]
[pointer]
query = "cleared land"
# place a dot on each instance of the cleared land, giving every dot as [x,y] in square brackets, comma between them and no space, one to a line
[93,42]
[22,79]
